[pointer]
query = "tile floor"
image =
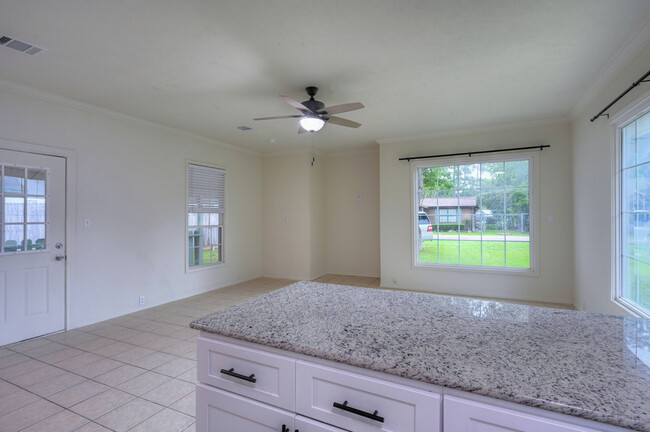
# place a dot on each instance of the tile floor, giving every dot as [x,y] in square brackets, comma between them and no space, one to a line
[132,373]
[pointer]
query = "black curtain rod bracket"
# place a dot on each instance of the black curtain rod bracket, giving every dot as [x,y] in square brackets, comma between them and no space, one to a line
[540,147]
[634,84]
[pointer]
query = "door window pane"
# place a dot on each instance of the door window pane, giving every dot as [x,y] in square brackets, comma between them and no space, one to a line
[14,210]
[35,209]
[36,181]
[14,180]
[35,236]
[14,236]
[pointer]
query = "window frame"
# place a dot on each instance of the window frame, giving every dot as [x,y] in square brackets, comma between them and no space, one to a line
[533,179]
[223,218]
[625,116]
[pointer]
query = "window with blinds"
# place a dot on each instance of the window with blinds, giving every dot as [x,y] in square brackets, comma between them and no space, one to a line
[205,214]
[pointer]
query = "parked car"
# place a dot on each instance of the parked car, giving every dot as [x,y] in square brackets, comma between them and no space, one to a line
[424,224]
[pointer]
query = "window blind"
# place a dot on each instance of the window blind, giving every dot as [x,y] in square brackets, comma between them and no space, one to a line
[205,189]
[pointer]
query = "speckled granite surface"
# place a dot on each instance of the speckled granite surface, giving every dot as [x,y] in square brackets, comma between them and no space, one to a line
[588,365]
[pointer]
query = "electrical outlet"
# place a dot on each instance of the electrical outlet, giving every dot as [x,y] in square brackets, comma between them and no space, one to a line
[141,303]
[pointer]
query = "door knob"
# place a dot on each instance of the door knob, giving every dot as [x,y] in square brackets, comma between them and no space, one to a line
[60,257]
[59,245]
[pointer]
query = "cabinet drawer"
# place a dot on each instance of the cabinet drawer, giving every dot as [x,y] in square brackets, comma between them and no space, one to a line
[303,424]
[229,367]
[364,404]
[463,415]
[220,411]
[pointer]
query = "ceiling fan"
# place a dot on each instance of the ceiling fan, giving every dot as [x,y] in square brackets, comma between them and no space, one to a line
[315,114]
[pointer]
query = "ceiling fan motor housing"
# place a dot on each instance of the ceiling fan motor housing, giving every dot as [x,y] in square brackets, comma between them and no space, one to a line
[312,103]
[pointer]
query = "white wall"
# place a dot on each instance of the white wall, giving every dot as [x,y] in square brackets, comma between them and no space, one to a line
[353,230]
[592,187]
[130,181]
[285,216]
[555,279]
[317,218]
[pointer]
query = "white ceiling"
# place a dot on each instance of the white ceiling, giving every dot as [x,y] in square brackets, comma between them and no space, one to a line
[420,67]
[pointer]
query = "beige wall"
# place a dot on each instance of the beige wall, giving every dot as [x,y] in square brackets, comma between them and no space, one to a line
[317,218]
[592,188]
[285,223]
[555,279]
[353,230]
[130,181]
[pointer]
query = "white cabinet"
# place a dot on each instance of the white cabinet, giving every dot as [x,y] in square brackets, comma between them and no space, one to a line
[245,389]
[363,404]
[249,372]
[463,415]
[304,424]
[221,411]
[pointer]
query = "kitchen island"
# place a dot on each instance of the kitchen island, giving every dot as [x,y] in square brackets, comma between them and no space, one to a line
[582,365]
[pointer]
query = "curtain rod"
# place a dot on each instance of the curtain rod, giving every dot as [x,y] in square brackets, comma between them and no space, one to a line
[540,147]
[634,84]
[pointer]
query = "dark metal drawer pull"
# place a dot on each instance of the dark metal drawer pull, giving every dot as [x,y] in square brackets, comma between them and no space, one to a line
[230,372]
[344,406]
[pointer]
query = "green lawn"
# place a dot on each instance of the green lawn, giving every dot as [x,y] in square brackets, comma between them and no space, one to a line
[494,253]
[488,232]
[636,275]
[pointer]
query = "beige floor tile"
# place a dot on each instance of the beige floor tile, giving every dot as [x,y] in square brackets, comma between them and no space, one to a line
[77,393]
[93,427]
[153,360]
[63,421]
[56,384]
[159,342]
[94,369]
[186,404]
[4,352]
[101,404]
[180,348]
[143,383]
[176,367]
[169,392]
[12,360]
[79,361]
[109,350]
[61,355]
[191,428]
[21,347]
[129,415]
[6,388]
[192,355]
[166,420]
[119,375]
[95,343]
[21,369]
[37,376]
[131,355]
[42,350]
[189,376]
[27,415]
[16,400]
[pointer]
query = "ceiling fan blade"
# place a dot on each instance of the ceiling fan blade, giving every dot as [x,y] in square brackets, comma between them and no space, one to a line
[295,103]
[301,130]
[338,109]
[343,122]
[278,117]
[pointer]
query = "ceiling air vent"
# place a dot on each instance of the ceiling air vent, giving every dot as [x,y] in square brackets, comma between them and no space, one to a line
[19,45]
[244,128]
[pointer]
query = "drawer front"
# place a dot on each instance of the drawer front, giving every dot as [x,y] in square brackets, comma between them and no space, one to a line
[230,367]
[220,411]
[303,424]
[463,415]
[372,405]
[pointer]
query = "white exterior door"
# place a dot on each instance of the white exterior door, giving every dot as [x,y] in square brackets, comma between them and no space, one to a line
[32,245]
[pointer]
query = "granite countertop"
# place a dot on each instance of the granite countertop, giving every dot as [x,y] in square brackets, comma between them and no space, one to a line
[583,364]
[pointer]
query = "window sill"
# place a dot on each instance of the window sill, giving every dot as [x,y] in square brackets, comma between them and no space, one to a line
[205,267]
[631,308]
[477,269]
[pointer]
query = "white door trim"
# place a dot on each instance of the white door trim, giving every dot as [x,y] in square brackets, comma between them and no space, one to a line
[70,214]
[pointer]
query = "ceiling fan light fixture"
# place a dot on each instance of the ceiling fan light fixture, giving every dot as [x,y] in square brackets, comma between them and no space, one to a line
[312,123]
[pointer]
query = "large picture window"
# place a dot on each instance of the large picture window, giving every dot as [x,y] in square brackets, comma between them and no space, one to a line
[634,214]
[205,215]
[479,213]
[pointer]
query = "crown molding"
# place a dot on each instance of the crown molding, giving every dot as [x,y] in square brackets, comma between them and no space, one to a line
[53,98]
[622,57]
[477,130]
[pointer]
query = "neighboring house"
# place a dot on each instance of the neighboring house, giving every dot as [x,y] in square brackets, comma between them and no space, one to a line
[449,210]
